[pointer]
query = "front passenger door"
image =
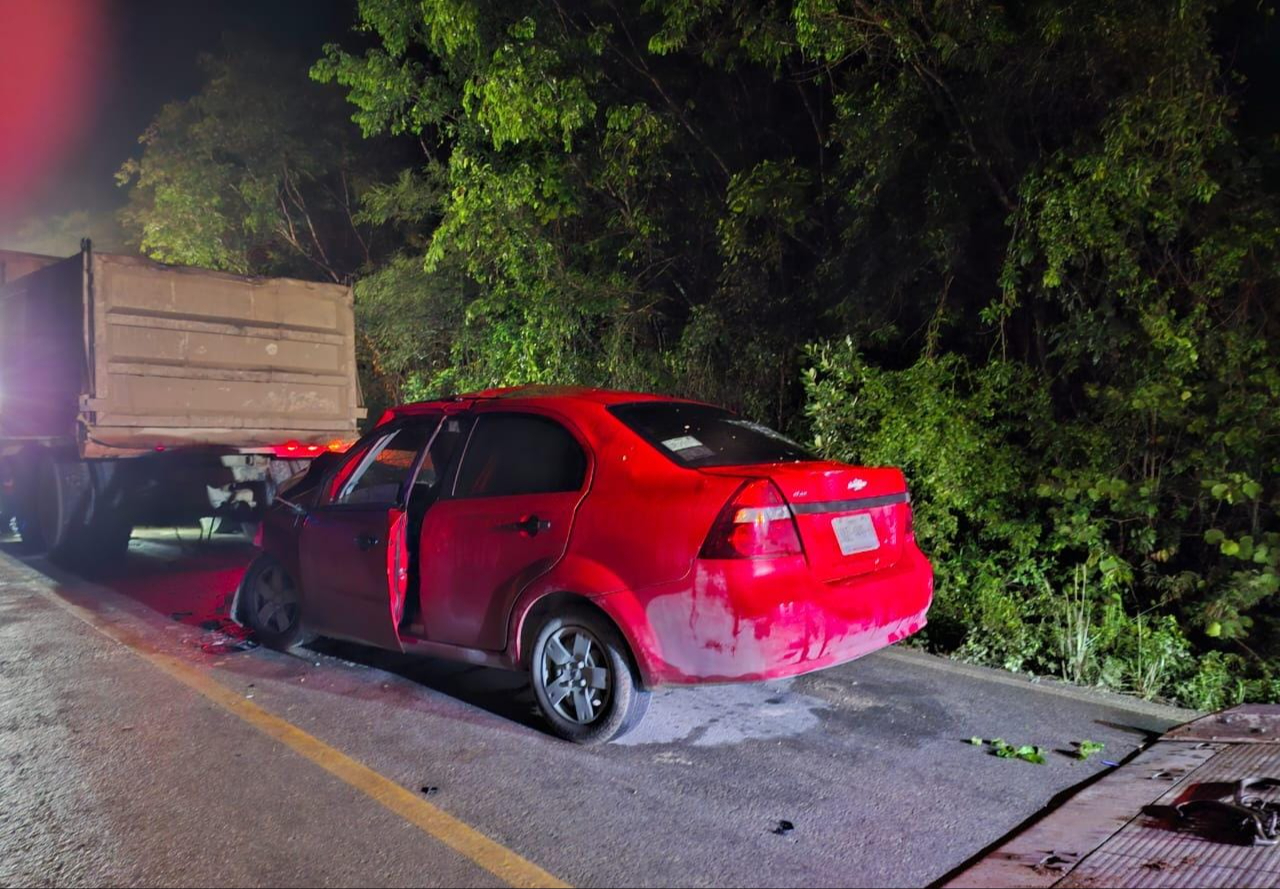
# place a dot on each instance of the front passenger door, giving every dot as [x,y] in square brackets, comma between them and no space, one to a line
[354,558]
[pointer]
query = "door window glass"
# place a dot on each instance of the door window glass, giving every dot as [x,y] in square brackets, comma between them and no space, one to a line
[438,465]
[385,466]
[520,454]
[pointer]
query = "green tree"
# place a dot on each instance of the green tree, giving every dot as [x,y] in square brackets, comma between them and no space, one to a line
[260,172]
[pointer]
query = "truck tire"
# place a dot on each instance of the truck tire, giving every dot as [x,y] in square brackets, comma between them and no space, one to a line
[23,466]
[74,520]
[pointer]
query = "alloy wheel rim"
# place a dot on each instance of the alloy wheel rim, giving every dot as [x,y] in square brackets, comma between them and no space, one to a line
[576,675]
[277,601]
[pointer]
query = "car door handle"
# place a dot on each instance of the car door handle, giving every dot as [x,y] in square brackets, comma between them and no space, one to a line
[531,525]
[366,542]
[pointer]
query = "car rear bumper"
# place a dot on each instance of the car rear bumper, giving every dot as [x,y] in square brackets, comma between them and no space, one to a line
[746,621]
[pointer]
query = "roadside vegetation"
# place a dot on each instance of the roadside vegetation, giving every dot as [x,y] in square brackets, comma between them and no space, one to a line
[1028,252]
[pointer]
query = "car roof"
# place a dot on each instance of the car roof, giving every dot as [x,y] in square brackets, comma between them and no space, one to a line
[534,395]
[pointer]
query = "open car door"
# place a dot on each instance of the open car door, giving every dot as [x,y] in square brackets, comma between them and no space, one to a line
[354,558]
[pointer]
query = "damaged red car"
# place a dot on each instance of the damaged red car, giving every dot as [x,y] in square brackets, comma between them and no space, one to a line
[608,543]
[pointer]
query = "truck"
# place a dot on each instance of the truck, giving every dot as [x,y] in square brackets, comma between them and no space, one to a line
[16,263]
[137,393]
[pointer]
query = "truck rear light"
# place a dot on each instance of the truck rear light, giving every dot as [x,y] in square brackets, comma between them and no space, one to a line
[292,450]
[756,523]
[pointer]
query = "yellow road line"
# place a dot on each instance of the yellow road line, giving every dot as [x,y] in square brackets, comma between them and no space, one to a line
[457,835]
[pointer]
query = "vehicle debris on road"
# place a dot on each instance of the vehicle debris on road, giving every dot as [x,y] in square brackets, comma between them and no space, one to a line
[1194,807]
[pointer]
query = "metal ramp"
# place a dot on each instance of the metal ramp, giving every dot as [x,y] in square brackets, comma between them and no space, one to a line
[1196,809]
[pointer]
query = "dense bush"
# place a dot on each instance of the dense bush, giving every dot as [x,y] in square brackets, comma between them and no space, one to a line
[1049,557]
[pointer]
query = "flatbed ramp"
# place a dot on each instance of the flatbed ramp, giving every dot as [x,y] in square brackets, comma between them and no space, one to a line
[1199,808]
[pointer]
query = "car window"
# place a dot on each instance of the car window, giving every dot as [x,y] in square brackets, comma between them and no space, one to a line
[442,454]
[385,465]
[520,454]
[701,435]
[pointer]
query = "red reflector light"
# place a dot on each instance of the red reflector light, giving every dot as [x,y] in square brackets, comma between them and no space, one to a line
[756,523]
[293,450]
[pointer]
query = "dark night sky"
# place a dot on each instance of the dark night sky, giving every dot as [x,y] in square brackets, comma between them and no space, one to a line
[152,47]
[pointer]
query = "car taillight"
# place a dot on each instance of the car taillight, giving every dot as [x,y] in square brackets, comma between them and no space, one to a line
[756,523]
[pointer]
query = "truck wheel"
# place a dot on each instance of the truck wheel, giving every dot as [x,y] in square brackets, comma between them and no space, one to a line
[64,490]
[25,468]
[272,605]
[74,522]
[9,490]
[583,678]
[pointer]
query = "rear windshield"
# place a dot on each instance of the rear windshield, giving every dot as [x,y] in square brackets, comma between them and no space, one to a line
[697,435]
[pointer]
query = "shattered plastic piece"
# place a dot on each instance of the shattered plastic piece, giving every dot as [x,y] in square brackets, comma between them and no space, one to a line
[225,637]
[783,828]
[429,790]
[223,646]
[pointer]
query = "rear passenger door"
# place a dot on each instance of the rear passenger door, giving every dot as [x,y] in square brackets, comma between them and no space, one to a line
[504,522]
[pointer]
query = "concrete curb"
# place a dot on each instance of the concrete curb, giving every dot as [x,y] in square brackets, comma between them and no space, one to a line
[1041,684]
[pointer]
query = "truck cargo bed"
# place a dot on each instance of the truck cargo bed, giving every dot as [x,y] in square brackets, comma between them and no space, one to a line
[127,355]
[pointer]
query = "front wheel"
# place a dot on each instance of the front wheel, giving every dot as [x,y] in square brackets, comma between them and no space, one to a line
[272,605]
[584,680]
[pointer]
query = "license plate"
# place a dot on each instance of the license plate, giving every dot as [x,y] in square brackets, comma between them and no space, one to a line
[855,533]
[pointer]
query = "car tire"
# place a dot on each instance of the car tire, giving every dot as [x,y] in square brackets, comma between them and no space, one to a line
[272,604]
[582,645]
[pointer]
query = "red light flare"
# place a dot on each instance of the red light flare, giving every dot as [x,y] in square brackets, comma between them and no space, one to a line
[50,68]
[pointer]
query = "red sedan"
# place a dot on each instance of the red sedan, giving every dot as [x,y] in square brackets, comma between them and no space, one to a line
[607,542]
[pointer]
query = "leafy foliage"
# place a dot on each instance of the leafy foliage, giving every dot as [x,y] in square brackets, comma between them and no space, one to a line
[258,173]
[1086,749]
[1004,750]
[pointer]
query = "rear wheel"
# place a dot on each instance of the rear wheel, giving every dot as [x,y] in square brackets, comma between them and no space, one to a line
[584,680]
[72,512]
[272,605]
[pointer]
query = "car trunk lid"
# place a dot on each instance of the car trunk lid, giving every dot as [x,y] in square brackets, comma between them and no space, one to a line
[851,519]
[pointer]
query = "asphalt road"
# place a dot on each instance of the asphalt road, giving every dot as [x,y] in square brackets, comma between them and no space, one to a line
[138,746]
